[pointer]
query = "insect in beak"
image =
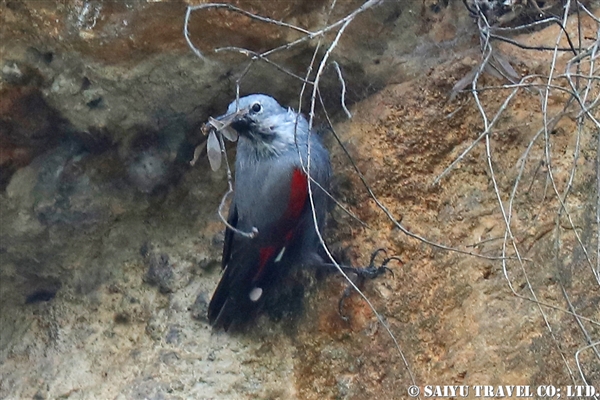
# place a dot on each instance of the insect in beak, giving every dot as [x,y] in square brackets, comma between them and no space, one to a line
[220,125]
[223,123]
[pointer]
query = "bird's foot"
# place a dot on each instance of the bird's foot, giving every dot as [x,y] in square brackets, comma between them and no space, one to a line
[370,272]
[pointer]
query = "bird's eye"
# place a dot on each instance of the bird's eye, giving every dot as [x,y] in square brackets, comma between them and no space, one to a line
[256,107]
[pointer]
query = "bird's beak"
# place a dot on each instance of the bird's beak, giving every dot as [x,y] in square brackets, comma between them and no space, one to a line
[225,124]
[239,121]
[242,124]
[227,119]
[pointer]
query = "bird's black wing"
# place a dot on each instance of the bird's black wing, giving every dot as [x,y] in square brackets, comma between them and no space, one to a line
[221,293]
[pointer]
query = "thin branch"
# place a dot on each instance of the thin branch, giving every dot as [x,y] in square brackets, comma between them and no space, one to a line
[343,95]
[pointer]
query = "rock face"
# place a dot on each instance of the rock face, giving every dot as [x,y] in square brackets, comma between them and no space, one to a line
[110,241]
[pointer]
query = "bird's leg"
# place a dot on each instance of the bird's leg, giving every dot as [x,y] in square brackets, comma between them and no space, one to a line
[372,271]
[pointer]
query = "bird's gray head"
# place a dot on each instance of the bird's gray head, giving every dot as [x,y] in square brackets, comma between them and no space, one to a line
[265,126]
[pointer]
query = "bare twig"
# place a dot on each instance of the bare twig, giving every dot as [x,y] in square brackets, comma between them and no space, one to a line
[343,95]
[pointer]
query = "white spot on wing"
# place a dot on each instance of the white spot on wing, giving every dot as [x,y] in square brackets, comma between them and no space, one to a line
[280,255]
[255,294]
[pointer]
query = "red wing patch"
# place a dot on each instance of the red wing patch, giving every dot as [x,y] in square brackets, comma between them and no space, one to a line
[265,254]
[263,258]
[298,194]
[296,204]
[289,236]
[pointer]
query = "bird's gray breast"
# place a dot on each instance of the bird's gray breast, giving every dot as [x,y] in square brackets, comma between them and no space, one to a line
[262,190]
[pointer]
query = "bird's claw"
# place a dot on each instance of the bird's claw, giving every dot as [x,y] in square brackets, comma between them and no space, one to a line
[370,272]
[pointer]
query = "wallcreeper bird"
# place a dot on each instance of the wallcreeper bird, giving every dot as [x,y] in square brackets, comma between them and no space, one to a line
[271,198]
